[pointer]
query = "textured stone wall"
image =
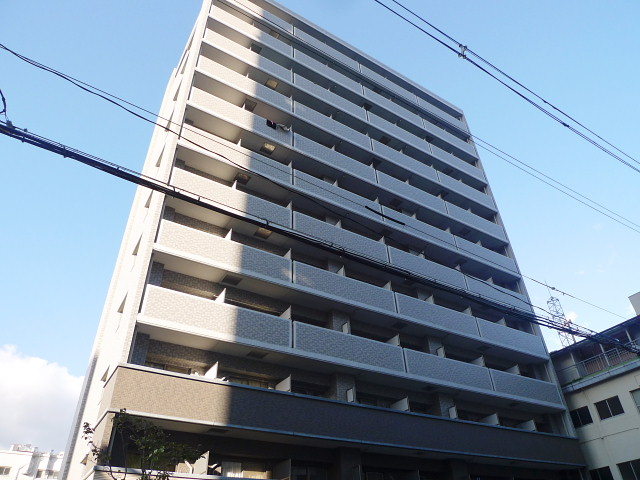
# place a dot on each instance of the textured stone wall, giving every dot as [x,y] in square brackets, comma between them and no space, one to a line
[201,360]
[354,349]
[339,286]
[525,387]
[206,289]
[216,319]
[447,370]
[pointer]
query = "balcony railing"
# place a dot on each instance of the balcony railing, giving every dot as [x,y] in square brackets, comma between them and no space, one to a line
[198,400]
[597,363]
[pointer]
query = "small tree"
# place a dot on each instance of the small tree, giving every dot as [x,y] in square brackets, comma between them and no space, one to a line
[155,449]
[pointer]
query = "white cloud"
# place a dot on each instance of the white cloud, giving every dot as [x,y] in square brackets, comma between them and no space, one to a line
[37,402]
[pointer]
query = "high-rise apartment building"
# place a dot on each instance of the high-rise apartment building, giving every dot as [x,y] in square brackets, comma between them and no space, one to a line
[350,308]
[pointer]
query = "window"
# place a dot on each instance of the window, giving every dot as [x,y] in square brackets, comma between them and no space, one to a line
[630,470]
[581,416]
[603,473]
[5,470]
[636,397]
[609,407]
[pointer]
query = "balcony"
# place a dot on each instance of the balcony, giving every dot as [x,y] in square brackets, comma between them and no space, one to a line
[385,82]
[610,361]
[525,387]
[499,294]
[464,190]
[418,229]
[447,117]
[513,339]
[484,255]
[259,13]
[249,30]
[342,288]
[512,342]
[405,162]
[220,252]
[405,136]
[229,47]
[321,93]
[393,107]
[331,126]
[476,222]
[231,154]
[467,376]
[448,160]
[339,236]
[411,193]
[426,267]
[234,200]
[327,72]
[180,312]
[326,49]
[448,372]
[418,142]
[333,159]
[330,193]
[210,80]
[444,319]
[349,350]
[198,404]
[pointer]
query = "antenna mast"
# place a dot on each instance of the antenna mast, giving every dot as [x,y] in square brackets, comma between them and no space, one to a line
[557,314]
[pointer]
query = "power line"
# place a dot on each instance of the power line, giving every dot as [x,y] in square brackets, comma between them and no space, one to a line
[504,156]
[572,296]
[463,54]
[267,22]
[205,202]
[485,61]
[104,95]
[110,98]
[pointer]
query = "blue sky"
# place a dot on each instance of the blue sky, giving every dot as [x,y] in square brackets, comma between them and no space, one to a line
[63,222]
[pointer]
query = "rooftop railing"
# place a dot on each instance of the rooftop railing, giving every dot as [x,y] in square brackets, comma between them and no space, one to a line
[597,363]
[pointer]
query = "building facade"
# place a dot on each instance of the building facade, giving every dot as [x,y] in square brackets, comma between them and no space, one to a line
[334,295]
[25,462]
[601,386]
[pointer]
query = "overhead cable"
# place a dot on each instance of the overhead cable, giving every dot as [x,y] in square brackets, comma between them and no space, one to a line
[115,100]
[205,202]
[462,52]
[502,72]
[590,203]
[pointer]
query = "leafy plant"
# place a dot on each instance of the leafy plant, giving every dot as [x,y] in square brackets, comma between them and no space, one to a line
[156,452]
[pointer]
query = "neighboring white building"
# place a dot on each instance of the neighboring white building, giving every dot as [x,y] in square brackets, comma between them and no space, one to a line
[353,310]
[24,462]
[602,388]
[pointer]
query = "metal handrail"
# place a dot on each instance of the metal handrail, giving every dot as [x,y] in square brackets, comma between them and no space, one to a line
[597,363]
